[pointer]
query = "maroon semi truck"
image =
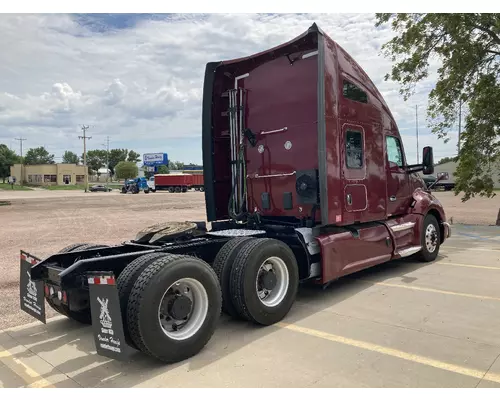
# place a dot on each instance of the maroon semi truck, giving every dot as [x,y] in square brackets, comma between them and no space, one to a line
[306,180]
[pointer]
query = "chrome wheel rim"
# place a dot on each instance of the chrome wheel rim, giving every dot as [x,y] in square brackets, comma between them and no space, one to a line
[431,238]
[272,270]
[188,291]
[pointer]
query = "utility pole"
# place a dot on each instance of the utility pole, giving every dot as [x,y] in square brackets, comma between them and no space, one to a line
[416,128]
[85,138]
[21,140]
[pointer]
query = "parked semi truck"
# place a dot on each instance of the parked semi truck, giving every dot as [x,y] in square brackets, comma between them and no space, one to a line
[178,182]
[305,179]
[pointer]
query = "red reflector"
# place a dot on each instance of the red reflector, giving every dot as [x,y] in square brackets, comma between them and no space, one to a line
[46,290]
[64,297]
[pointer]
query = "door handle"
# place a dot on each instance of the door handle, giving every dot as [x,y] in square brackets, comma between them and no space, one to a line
[392,198]
[349,199]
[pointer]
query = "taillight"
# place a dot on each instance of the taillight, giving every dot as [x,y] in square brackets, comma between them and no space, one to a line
[64,297]
[46,291]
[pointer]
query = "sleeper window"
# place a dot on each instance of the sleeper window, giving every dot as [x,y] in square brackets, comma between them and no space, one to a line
[352,92]
[354,149]
[394,152]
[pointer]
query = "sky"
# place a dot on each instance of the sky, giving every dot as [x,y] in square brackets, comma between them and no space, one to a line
[138,78]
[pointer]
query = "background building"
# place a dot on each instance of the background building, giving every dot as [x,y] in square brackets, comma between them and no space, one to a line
[49,174]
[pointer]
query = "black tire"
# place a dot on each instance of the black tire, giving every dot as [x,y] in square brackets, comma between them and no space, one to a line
[425,255]
[171,189]
[244,275]
[222,266]
[146,191]
[126,281]
[83,316]
[177,189]
[124,190]
[202,189]
[145,299]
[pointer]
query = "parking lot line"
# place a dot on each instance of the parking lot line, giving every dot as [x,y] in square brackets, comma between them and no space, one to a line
[26,373]
[474,373]
[424,289]
[467,265]
[472,248]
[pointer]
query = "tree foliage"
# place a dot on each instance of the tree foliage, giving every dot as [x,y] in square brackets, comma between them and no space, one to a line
[126,170]
[96,159]
[175,165]
[7,159]
[38,155]
[70,158]
[133,156]
[445,160]
[467,47]
[163,169]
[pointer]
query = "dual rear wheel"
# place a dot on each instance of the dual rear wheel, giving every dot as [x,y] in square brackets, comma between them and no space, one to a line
[259,279]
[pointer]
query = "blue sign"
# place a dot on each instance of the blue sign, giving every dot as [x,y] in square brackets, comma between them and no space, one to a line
[154,159]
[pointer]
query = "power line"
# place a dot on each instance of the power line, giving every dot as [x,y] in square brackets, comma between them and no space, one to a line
[85,138]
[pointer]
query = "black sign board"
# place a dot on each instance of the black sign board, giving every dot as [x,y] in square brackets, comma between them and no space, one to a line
[107,323]
[31,293]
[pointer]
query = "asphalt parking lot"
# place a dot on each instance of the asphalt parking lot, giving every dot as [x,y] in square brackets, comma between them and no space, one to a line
[402,324]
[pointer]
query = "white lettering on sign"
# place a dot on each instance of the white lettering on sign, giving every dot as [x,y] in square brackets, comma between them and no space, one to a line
[153,157]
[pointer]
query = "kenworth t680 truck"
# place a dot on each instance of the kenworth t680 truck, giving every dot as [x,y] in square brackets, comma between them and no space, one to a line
[305,179]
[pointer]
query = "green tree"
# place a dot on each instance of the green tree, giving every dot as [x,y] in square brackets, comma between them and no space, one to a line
[175,165]
[468,49]
[133,156]
[70,158]
[444,160]
[38,155]
[115,156]
[7,159]
[163,169]
[126,170]
[95,159]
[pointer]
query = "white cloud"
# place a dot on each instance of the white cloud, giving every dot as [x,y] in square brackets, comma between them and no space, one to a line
[142,85]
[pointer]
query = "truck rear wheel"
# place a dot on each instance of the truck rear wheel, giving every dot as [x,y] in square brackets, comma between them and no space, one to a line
[174,307]
[264,281]
[222,266]
[177,189]
[126,281]
[83,316]
[430,239]
[171,189]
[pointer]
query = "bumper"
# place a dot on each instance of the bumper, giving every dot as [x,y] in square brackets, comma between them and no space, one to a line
[447,230]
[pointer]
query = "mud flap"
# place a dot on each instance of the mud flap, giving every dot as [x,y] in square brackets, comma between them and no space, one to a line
[31,293]
[107,323]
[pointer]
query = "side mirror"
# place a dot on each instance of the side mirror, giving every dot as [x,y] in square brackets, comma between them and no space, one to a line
[428,160]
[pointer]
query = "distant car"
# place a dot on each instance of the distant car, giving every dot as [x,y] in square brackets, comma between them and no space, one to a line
[100,188]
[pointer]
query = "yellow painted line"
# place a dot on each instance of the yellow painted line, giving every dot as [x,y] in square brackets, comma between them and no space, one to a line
[467,265]
[423,289]
[30,376]
[472,248]
[473,373]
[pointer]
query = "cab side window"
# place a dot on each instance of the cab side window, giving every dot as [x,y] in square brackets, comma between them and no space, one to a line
[394,151]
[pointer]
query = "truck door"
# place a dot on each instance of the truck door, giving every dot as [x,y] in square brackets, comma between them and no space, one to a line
[397,177]
[354,173]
